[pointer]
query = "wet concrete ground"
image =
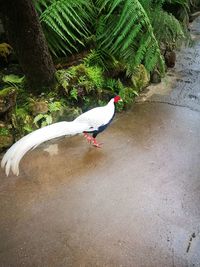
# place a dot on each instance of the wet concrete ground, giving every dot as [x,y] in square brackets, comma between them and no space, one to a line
[135,202]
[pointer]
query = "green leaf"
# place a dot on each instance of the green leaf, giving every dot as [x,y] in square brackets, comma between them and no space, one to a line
[74,93]
[28,128]
[14,79]
[48,119]
[38,118]
[65,23]
[55,106]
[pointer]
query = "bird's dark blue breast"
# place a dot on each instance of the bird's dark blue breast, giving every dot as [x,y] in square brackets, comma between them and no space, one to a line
[101,128]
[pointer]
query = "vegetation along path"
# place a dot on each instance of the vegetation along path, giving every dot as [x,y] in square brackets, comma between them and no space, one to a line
[135,202]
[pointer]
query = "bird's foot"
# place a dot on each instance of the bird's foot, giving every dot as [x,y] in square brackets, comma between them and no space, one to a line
[88,137]
[94,142]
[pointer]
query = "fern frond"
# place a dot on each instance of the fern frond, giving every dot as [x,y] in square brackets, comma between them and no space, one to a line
[99,58]
[173,32]
[67,21]
[128,33]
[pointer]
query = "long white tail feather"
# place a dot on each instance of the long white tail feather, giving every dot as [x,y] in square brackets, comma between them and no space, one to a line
[13,156]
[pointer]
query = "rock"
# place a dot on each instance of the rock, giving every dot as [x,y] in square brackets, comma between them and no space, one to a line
[155,77]
[7,99]
[5,142]
[5,51]
[6,137]
[140,78]
[170,58]
[38,107]
[67,113]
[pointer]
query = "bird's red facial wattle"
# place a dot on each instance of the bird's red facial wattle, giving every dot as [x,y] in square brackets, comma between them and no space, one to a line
[117,99]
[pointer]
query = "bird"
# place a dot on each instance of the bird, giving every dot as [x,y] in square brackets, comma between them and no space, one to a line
[90,123]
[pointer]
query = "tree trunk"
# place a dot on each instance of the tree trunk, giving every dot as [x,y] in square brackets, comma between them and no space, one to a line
[27,39]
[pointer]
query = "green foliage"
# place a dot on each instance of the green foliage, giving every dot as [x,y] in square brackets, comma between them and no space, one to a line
[80,88]
[80,81]
[167,29]
[4,131]
[129,31]
[55,106]
[180,3]
[112,85]
[74,93]
[63,77]
[44,119]
[121,30]
[180,9]
[126,93]
[173,32]
[22,121]
[6,138]
[65,23]
[47,118]
[14,80]
[87,87]
[6,91]
[126,33]
[95,74]
[140,79]
[101,58]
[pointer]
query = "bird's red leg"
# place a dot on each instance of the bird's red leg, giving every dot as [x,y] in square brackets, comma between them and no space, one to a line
[88,137]
[94,142]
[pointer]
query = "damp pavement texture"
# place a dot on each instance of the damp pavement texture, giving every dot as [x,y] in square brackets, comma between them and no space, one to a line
[135,202]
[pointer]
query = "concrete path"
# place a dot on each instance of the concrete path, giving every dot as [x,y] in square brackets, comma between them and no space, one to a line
[136,202]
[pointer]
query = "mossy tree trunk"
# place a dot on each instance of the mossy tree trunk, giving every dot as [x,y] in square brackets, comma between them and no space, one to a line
[26,36]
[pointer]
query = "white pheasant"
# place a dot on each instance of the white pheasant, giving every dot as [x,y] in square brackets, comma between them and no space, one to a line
[93,121]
